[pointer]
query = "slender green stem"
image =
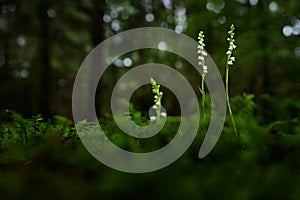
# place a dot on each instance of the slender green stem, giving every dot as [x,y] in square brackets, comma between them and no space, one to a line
[202,90]
[158,110]
[228,101]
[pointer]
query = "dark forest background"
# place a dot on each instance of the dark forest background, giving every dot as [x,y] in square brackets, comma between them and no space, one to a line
[43,43]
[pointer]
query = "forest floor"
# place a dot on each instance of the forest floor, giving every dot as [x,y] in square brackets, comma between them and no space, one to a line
[42,159]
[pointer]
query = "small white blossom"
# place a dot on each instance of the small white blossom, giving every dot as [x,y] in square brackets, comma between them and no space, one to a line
[201,52]
[152,118]
[232,46]
[205,68]
[163,114]
[154,107]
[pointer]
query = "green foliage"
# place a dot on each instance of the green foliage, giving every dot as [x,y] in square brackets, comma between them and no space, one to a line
[21,132]
[261,153]
[244,105]
[282,109]
[136,115]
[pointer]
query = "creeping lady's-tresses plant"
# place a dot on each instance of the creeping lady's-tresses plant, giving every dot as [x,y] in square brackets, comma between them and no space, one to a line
[229,62]
[157,100]
[201,61]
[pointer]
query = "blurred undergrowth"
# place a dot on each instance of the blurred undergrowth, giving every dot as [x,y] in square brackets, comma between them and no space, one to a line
[19,132]
[268,152]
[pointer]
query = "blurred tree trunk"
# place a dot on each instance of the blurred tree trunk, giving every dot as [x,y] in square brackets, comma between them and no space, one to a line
[94,10]
[97,30]
[263,78]
[44,48]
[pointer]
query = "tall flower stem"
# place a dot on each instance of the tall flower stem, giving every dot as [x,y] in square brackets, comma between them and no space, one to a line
[202,90]
[201,61]
[230,61]
[228,100]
